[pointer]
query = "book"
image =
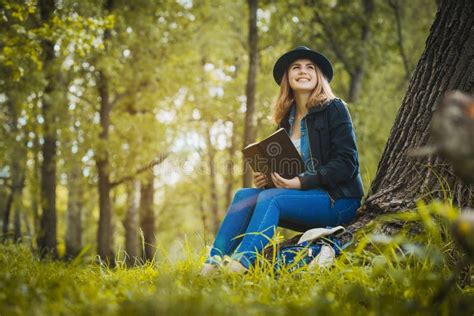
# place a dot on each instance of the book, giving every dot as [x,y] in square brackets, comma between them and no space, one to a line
[276,153]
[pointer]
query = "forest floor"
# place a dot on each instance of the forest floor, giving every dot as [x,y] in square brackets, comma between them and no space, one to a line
[387,275]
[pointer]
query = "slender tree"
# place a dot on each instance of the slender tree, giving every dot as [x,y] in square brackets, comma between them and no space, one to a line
[354,64]
[75,207]
[104,232]
[18,170]
[147,215]
[249,127]
[47,234]
[213,195]
[230,165]
[130,222]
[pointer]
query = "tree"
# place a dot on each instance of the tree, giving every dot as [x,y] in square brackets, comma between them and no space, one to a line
[445,64]
[147,215]
[249,129]
[354,64]
[75,207]
[213,193]
[130,223]
[47,235]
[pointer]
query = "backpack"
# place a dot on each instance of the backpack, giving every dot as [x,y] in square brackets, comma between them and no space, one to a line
[317,248]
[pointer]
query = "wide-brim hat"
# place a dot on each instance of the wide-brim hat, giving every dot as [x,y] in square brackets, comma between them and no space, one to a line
[287,58]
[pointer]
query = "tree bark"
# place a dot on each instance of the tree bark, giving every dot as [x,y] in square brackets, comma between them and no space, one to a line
[397,12]
[213,196]
[249,128]
[74,212]
[130,223]
[202,211]
[104,237]
[18,209]
[357,73]
[147,216]
[355,84]
[6,215]
[445,64]
[35,184]
[47,234]
[356,65]
[27,225]
[17,169]
[105,230]
[230,167]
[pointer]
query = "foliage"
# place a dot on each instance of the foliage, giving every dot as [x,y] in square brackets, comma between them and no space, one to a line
[383,274]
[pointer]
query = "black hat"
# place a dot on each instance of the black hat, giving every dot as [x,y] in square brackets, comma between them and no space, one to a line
[301,52]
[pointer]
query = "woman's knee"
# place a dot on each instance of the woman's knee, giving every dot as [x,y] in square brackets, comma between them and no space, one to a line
[269,194]
[244,193]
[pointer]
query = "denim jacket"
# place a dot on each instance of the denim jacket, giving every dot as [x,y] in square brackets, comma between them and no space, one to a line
[304,141]
[333,152]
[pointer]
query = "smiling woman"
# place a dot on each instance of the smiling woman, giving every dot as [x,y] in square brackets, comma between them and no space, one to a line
[328,193]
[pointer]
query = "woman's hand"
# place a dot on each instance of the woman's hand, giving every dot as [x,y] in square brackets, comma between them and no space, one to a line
[283,183]
[260,179]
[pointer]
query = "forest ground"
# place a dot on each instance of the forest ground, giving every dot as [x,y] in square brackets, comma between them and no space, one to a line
[380,274]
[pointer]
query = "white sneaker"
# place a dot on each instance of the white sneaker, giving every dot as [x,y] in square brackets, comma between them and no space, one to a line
[208,269]
[324,259]
[235,266]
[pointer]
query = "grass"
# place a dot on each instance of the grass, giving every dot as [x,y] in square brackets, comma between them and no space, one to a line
[398,274]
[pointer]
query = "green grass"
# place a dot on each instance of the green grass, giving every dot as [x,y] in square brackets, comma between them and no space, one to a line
[380,275]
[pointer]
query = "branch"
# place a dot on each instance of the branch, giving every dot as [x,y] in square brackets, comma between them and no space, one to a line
[155,162]
[119,96]
[83,98]
[332,42]
[395,5]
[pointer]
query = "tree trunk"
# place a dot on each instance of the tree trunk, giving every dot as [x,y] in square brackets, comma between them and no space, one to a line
[6,215]
[445,64]
[35,184]
[74,212]
[27,225]
[17,166]
[357,72]
[355,63]
[130,223]
[105,233]
[18,209]
[355,85]
[18,170]
[249,128]
[147,216]
[202,211]
[230,167]
[213,196]
[397,12]
[104,236]
[47,234]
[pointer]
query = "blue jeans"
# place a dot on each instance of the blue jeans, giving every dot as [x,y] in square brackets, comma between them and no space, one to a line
[257,212]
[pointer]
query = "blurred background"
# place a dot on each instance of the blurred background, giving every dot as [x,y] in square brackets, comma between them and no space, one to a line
[122,121]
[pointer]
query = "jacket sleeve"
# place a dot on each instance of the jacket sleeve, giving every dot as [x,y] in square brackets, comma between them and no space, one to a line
[343,162]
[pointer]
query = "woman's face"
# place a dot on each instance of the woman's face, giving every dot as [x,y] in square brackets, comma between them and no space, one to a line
[302,75]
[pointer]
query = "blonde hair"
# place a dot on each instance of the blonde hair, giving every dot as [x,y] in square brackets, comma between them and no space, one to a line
[322,92]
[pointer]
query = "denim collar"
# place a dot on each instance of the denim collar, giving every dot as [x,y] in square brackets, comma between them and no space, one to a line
[290,115]
[311,110]
[291,119]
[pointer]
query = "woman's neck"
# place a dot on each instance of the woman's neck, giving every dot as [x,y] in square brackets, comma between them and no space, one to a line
[301,98]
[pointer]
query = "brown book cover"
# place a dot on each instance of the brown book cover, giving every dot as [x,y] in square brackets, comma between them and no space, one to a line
[276,153]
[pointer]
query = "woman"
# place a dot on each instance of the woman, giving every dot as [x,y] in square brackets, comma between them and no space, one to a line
[328,193]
